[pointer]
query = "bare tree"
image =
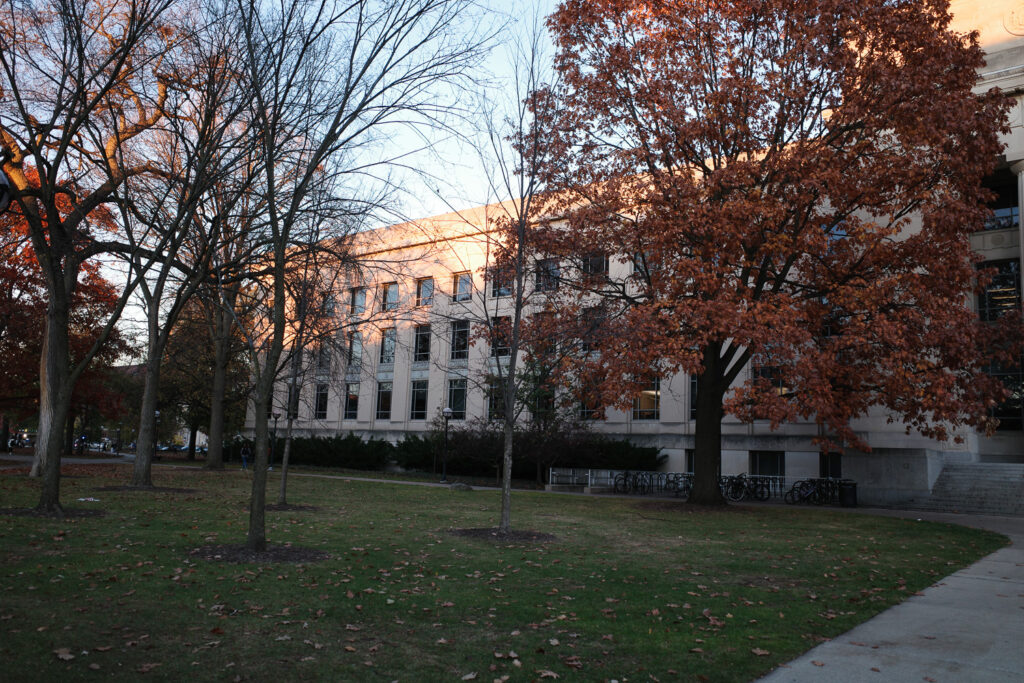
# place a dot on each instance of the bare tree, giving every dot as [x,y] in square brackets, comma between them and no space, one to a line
[199,145]
[328,79]
[82,88]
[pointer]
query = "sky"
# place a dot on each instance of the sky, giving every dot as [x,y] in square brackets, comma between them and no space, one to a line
[454,173]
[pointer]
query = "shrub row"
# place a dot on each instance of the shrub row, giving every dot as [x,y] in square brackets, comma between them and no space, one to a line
[472,451]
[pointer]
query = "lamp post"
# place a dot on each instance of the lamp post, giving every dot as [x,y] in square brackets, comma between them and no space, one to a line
[273,440]
[447,414]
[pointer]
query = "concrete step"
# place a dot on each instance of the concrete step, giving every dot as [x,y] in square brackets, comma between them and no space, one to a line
[980,488]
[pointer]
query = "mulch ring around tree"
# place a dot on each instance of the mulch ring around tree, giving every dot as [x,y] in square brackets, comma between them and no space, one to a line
[147,489]
[66,513]
[497,536]
[288,507]
[238,553]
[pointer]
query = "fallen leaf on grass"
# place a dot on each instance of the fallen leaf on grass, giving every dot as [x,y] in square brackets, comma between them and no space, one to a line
[147,667]
[94,666]
[759,652]
[545,673]
[102,648]
[470,676]
[64,654]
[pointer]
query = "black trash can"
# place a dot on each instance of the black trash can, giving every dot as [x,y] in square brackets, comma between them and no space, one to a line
[848,493]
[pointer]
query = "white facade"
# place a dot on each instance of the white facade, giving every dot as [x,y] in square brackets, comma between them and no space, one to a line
[452,252]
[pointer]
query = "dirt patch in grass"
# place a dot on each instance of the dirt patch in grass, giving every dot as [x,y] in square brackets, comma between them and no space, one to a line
[146,489]
[677,506]
[288,507]
[238,553]
[66,513]
[496,535]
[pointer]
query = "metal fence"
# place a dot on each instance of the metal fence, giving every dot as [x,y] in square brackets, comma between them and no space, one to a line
[637,482]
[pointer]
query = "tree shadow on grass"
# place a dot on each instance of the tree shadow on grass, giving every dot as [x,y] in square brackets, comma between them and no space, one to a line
[288,507]
[146,489]
[238,553]
[65,513]
[495,535]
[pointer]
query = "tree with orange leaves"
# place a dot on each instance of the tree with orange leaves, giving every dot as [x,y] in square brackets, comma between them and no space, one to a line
[81,85]
[22,328]
[793,186]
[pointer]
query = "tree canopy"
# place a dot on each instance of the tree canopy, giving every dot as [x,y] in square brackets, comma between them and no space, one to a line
[793,186]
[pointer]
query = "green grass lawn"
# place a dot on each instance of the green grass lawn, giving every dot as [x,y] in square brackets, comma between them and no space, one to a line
[629,590]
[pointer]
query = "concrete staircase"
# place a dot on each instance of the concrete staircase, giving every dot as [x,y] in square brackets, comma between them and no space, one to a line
[977,488]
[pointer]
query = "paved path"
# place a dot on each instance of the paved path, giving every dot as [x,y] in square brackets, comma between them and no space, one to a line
[967,628]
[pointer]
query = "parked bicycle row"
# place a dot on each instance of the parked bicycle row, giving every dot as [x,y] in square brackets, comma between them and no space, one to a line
[739,487]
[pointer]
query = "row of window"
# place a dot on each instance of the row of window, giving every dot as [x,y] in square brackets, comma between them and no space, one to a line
[547,276]
[646,406]
[421,341]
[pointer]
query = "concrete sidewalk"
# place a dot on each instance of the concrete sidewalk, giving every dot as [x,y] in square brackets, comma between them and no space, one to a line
[967,628]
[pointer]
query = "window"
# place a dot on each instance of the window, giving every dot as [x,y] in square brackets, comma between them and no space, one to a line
[1002,294]
[543,409]
[460,340]
[688,462]
[496,399]
[501,336]
[328,306]
[418,403]
[388,339]
[351,400]
[693,397]
[591,321]
[384,400]
[501,283]
[647,406]
[357,300]
[830,465]
[1011,411]
[425,291]
[1005,209]
[595,264]
[323,360]
[589,409]
[768,463]
[547,275]
[457,398]
[389,296]
[421,344]
[767,370]
[320,404]
[355,349]
[462,287]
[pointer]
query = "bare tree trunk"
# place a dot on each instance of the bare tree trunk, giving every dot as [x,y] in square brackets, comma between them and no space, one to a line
[707,453]
[256,539]
[506,480]
[223,322]
[142,470]
[215,442]
[192,431]
[54,405]
[282,495]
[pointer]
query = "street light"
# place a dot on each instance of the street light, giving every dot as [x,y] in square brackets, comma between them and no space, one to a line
[447,414]
[273,441]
